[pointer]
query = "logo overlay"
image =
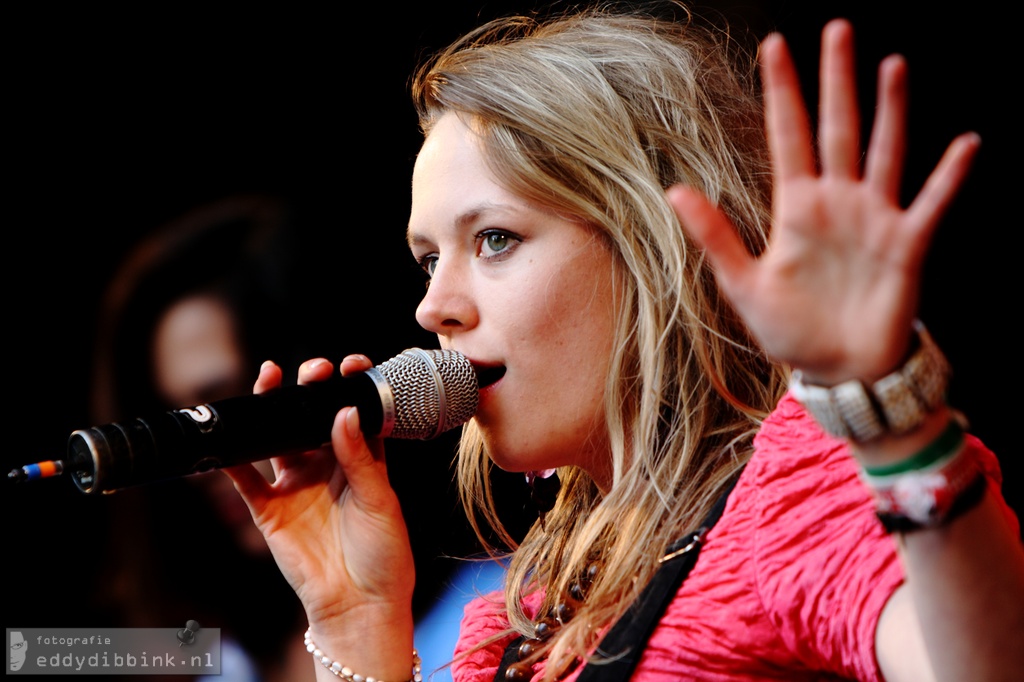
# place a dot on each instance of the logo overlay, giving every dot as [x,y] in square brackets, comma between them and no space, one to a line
[188,650]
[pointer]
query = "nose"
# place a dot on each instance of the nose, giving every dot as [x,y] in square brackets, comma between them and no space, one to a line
[448,305]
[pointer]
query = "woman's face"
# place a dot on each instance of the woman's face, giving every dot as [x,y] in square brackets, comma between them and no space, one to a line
[519,290]
[197,355]
[198,358]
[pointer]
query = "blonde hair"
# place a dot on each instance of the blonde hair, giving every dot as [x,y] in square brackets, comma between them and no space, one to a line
[594,114]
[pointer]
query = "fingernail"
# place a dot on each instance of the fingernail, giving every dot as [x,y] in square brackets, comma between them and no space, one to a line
[352,423]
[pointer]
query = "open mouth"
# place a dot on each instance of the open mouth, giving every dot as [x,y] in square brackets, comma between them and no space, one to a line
[488,375]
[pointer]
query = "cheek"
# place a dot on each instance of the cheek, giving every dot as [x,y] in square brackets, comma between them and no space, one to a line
[586,309]
[584,328]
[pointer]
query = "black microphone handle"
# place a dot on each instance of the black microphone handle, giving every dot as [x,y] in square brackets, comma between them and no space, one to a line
[223,433]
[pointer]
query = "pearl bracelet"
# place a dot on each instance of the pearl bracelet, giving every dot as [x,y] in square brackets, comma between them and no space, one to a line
[345,673]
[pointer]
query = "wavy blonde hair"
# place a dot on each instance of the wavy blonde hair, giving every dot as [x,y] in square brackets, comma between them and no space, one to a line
[593,114]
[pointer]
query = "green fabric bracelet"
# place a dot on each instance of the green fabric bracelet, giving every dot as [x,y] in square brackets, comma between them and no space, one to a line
[948,442]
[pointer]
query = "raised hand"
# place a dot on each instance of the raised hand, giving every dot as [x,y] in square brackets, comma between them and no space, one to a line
[836,290]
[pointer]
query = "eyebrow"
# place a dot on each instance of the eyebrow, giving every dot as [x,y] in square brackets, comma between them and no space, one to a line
[465,218]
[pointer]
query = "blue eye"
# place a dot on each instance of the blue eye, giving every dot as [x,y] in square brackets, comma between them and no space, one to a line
[497,242]
[428,264]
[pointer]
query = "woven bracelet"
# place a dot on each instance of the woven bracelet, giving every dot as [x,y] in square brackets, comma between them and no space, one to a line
[345,673]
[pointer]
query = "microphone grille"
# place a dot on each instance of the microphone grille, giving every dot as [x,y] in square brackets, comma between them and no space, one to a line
[434,390]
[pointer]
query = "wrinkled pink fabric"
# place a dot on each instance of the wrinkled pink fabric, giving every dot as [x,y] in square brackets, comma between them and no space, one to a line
[789,585]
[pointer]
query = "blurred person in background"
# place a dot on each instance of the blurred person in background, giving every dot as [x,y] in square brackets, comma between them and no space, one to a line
[189,314]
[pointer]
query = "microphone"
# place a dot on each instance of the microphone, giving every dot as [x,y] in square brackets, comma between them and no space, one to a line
[418,394]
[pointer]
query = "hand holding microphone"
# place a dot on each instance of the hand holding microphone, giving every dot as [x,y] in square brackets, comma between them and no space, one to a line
[418,394]
[336,529]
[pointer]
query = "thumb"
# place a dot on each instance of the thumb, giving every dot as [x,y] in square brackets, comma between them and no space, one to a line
[361,461]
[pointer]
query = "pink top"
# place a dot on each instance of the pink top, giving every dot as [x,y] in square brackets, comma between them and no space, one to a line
[789,585]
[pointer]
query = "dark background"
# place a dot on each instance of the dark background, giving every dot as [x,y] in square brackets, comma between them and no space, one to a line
[120,121]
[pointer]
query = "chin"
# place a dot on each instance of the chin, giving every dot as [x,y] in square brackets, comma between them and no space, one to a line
[504,463]
[503,458]
[515,463]
[507,452]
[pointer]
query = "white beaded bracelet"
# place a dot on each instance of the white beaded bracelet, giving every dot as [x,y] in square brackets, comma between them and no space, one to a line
[345,673]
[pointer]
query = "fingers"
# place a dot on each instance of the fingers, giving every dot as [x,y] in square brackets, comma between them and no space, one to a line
[887,149]
[269,377]
[789,134]
[713,231]
[361,461]
[839,125]
[355,363]
[353,450]
[317,369]
[250,484]
[942,185]
[839,147]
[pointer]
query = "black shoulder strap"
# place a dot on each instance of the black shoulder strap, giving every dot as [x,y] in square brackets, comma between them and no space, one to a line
[623,645]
